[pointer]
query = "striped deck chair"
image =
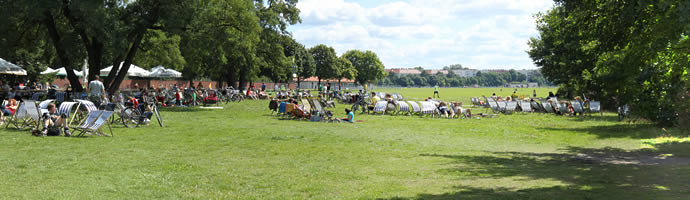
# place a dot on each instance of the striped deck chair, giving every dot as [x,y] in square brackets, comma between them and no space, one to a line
[501,106]
[525,106]
[93,122]
[548,107]
[18,120]
[317,106]
[493,105]
[537,107]
[34,115]
[88,105]
[475,102]
[36,96]
[281,108]
[511,106]
[43,106]
[594,107]
[66,109]
[563,108]
[306,105]
[428,108]
[414,107]
[380,107]
[403,107]
[60,97]
[577,107]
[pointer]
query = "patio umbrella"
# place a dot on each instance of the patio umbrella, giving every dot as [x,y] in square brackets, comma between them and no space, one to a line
[61,72]
[12,69]
[162,72]
[133,71]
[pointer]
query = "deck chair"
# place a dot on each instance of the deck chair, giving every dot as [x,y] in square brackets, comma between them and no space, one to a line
[306,105]
[414,107]
[525,106]
[594,107]
[548,107]
[18,120]
[501,106]
[403,107]
[317,106]
[428,108]
[475,102]
[282,107]
[88,105]
[577,107]
[510,107]
[43,106]
[563,108]
[380,107]
[66,109]
[92,122]
[36,96]
[536,107]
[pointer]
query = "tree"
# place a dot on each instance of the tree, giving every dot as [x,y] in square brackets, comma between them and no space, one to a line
[325,60]
[369,67]
[621,52]
[345,70]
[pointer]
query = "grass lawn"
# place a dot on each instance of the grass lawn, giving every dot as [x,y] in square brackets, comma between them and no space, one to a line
[241,152]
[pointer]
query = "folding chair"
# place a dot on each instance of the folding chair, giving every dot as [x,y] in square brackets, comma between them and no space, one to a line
[18,120]
[577,107]
[510,107]
[66,109]
[428,108]
[403,107]
[36,96]
[93,123]
[501,106]
[414,107]
[306,105]
[536,107]
[548,107]
[595,107]
[43,106]
[563,108]
[525,106]
[380,107]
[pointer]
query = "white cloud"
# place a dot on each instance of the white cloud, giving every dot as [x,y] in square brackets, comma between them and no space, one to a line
[429,33]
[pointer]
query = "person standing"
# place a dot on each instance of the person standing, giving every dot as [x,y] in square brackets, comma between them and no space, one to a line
[534,93]
[436,95]
[276,88]
[96,91]
[263,87]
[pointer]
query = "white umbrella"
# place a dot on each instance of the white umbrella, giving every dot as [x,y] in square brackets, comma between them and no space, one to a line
[162,72]
[133,71]
[9,68]
[61,72]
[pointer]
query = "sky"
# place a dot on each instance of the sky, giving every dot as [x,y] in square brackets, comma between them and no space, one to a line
[479,34]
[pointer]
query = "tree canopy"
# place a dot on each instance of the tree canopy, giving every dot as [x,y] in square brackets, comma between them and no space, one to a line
[367,64]
[620,52]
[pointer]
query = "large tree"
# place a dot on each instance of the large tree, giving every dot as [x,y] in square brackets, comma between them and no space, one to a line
[621,52]
[368,65]
[325,59]
[345,70]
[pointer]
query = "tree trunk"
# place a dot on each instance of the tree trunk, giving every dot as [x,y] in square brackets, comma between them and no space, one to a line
[61,53]
[298,82]
[122,72]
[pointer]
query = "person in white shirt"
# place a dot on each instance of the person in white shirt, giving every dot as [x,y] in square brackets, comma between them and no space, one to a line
[96,91]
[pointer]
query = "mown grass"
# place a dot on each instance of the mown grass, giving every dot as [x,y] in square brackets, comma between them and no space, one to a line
[242,152]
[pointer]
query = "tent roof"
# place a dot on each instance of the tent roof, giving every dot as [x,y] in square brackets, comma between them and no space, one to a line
[133,71]
[9,68]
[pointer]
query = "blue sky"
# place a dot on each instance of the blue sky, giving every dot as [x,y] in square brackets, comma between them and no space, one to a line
[486,34]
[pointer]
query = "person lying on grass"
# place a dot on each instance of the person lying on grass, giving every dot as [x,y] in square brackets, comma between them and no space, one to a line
[53,122]
[350,116]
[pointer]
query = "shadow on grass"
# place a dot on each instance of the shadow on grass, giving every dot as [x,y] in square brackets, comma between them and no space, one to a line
[636,131]
[582,173]
[593,117]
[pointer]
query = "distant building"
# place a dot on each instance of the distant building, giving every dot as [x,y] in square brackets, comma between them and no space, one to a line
[436,71]
[403,71]
[466,72]
[522,85]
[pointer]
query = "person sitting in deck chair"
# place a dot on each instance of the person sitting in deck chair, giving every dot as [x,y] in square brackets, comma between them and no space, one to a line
[52,122]
[298,111]
[350,116]
[443,109]
[372,101]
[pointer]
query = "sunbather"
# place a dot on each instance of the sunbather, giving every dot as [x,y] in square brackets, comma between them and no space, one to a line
[52,122]
[443,109]
[350,116]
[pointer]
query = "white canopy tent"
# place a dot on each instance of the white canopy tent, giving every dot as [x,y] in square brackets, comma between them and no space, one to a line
[61,72]
[162,72]
[133,71]
[12,69]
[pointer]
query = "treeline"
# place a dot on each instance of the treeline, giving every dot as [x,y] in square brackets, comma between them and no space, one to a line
[484,79]
[622,52]
[228,41]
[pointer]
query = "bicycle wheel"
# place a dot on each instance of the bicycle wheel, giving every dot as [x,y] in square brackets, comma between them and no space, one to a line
[130,117]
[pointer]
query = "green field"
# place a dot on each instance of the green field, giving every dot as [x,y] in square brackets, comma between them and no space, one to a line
[242,152]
